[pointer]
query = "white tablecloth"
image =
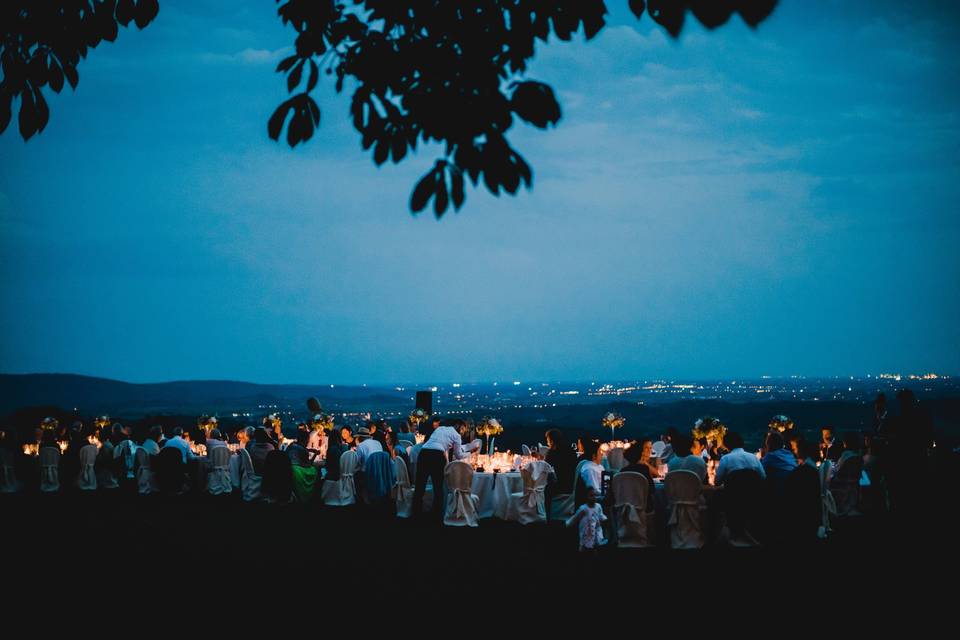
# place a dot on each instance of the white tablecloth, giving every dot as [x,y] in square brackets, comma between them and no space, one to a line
[494,491]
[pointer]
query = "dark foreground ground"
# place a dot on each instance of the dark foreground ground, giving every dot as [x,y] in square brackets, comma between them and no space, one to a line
[204,546]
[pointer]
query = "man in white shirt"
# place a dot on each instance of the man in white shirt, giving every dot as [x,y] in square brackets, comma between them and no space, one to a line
[151,444]
[177,442]
[432,460]
[366,446]
[737,459]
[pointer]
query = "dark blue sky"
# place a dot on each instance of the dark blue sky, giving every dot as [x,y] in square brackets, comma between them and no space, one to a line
[735,203]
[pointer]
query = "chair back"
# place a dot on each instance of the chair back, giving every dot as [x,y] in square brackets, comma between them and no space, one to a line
[146,480]
[615,459]
[630,494]
[49,469]
[87,479]
[461,505]
[218,479]
[525,450]
[657,448]
[8,475]
[402,491]
[169,467]
[380,476]
[684,492]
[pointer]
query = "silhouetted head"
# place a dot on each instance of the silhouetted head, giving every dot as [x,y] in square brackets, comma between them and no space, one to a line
[554,439]
[681,444]
[591,451]
[826,434]
[216,435]
[732,440]
[633,455]
[260,436]
[774,441]
[906,399]
[852,441]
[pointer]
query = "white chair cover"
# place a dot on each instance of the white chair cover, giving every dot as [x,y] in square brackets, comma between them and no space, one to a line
[218,479]
[126,450]
[525,450]
[402,491]
[615,459]
[529,505]
[105,477]
[684,491]
[49,469]
[146,479]
[561,505]
[845,485]
[462,505]
[250,481]
[828,504]
[658,447]
[8,475]
[342,492]
[87,480]
[631,520]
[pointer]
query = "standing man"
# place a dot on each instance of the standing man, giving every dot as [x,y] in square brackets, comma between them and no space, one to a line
[444,442]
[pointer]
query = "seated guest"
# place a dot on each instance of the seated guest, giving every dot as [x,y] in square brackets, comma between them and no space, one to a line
[777,461]
[562,458]
[830,447]
[304,472]
[698,447]
[736,459]
[180,444]
[406,433]
[667,438]
[346,436]
[260,449]
[778,464]
[851,449]
[633,456]
[591,474]
[791,440]
[297,451]
[335,448]
[215,440]
[396,448]
[245,437]
[152,442]
[317,445]
[802,513]
[366,445]
[646,454]
[683,458]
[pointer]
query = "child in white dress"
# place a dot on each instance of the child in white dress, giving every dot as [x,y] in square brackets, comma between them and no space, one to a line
[588,518]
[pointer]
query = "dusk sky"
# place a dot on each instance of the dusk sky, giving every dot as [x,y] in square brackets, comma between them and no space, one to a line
[734,203]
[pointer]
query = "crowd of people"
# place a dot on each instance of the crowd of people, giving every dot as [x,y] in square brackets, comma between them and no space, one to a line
[776,493]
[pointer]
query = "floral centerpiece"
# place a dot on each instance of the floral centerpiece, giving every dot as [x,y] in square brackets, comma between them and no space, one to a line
[709,428]
[102,423]
[322,421]
[613,421]
[489,428]
[207,424]
[418,417]
[780,423]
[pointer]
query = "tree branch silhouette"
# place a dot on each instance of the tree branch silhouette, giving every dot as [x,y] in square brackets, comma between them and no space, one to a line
[451,73]
[43,42]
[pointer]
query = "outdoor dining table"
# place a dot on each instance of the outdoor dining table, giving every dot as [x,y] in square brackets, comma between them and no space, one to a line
[494,491]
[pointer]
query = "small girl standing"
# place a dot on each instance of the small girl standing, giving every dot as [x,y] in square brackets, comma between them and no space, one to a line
[588,518]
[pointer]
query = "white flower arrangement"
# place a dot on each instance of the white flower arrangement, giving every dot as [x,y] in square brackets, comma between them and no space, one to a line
[780,423]
[489,427]
[710,428]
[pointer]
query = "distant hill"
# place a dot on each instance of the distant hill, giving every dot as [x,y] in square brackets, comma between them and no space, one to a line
[102,395]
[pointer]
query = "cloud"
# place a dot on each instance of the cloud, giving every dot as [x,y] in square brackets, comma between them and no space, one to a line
[247,56]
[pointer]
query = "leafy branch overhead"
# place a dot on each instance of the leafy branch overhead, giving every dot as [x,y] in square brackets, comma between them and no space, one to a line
[43,42]
[450,72]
